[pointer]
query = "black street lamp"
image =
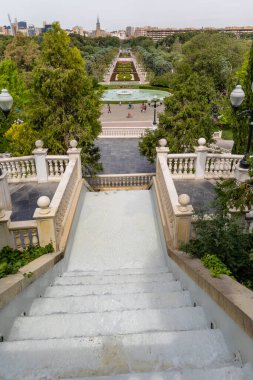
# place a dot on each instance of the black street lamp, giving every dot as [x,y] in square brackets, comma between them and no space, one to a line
[155,100]
[6,102]
[236,98]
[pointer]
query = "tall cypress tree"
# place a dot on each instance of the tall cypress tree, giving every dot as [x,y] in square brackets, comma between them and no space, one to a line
[64,104]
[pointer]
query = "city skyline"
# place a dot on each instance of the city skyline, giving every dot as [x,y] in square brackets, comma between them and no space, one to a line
[163,14]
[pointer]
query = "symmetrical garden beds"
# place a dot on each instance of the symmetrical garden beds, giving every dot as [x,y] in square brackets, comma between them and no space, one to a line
[124,71]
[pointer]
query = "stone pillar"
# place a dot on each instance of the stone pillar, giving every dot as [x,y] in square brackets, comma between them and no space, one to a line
[5,195]
[45,218]
[6,236]
[40,162]
[75,153]
[162,150]
[241,175]
[201,152]
[184,219]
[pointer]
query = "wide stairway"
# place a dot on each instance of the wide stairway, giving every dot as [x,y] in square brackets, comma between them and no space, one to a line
[117,312]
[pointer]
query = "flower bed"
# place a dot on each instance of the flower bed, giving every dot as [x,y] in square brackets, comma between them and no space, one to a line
[124,71]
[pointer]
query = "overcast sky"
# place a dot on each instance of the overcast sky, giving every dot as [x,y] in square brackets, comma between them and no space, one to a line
[117,14]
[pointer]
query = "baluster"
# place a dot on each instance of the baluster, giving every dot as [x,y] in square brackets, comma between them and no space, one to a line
[191,165]
[26,239]
[65,164]
[170,164]
[233,164]
[18,240]
[13,170]
[35,240]
[185,165]
[28,169]
[51,169]
[56,169]
[7,168]
[180,167]
[216,166]
[221,167]
[23,169]
[33,168]
[212,166]
[61,167]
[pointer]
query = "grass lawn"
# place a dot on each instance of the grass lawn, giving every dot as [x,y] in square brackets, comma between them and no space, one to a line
[227,134]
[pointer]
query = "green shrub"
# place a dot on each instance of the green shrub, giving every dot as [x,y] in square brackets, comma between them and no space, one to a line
[225,237]
[11,260]
[215,265]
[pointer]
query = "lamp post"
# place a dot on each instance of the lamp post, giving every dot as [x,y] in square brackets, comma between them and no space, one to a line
[236,98]
[6,102]
[155,100]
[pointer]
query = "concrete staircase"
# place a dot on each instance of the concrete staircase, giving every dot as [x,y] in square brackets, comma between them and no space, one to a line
[124,322]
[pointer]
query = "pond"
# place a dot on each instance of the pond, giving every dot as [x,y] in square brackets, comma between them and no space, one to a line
[128,95]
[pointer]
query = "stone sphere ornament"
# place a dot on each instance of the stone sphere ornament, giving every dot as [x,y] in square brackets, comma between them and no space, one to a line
[162,143]
[39,144]
[73,144]
[184,201]
[202,141]
[43,203]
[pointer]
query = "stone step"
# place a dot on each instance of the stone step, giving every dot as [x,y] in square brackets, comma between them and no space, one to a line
[102,303]
[225,373]
[106,355]
[121,271]
[116,279]
[109,323]
[139,287]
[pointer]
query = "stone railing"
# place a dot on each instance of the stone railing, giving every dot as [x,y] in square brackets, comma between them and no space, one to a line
[56,166]
[221,165]
[51,220]
[121,181]
[201,164]
[25,234]
[19,169]
[176,211]
[182,164]
[123,132]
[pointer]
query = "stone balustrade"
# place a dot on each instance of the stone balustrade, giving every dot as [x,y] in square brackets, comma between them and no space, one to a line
[201,164]
[176,211]
[50,222]
[138,180]
[19,169]
[123,132]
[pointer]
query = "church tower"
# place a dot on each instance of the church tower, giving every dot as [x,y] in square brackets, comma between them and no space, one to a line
[98,30]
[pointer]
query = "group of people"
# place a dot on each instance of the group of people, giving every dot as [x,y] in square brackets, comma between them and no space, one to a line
[130,106]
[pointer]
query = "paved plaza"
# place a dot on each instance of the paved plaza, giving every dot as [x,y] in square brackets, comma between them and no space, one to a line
[119,113]
[24,198]
[122,156]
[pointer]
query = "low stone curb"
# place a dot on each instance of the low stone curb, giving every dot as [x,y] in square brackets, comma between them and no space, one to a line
[14,284]
[235,299]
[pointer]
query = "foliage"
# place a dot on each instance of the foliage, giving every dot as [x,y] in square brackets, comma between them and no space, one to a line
[97,52]
[224,237]
[241,124]
[4,41]
[155,60]
[216,266]
[235,195]
[23,51]
[216,55]
[21,138]
[11,260]
[11,80]
[186,117]
[64,104]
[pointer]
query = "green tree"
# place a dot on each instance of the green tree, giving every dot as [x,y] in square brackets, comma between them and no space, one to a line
[23,51]
[64,103]
[12,81]
[187,115]
[240,125]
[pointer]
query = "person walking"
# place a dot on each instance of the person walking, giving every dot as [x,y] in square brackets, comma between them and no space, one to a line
[109,108]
